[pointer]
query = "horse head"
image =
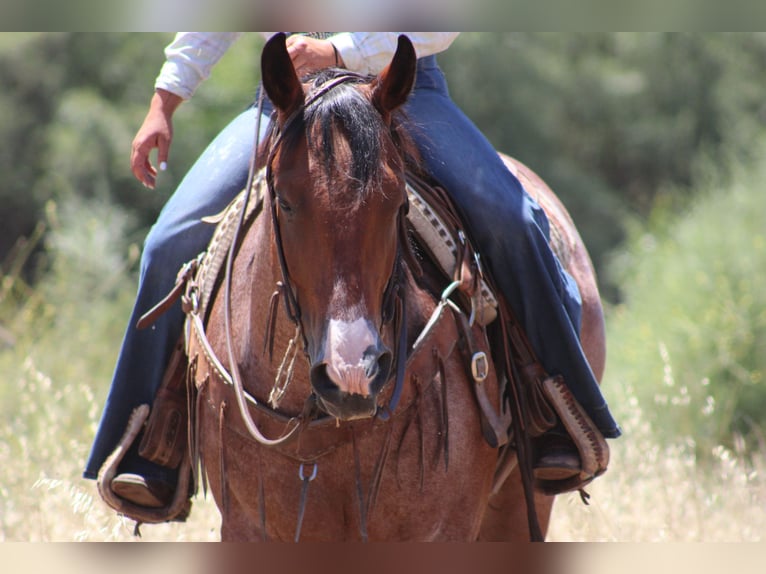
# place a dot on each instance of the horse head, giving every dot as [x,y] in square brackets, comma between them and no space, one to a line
[335,171]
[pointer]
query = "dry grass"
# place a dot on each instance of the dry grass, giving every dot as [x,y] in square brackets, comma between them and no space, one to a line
[653,493]
[649,494]
[42,495]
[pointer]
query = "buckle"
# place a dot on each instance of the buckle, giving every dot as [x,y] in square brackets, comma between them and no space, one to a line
[479,366]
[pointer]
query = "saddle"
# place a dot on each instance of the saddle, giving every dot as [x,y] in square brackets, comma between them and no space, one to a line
[541,401]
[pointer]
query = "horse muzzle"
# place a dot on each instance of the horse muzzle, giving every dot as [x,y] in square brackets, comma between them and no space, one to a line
[353,368]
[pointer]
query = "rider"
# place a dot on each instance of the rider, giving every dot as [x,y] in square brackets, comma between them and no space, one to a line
[511,230]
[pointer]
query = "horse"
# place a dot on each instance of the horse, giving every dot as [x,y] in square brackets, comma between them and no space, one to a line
[365,439]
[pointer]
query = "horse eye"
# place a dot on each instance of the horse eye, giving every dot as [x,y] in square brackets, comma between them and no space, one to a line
[284,205]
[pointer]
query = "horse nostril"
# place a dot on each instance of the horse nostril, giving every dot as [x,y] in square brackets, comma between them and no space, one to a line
[370,362]
[377,368]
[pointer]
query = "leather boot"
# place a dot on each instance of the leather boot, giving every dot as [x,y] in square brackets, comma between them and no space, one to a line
[556,457]
[147,492]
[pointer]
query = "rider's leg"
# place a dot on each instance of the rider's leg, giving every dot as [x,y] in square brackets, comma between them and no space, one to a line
[177,236]
[512,235]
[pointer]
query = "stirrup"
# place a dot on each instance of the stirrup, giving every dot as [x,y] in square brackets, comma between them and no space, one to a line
[133,511]
[590,443]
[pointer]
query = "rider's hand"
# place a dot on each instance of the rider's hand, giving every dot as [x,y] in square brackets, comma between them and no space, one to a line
[155,132]
[310,54]
[307,54]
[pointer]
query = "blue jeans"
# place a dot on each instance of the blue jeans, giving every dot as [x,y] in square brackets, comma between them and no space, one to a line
[510,229]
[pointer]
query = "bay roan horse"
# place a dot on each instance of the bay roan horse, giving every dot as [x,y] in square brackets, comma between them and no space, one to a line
[375,452]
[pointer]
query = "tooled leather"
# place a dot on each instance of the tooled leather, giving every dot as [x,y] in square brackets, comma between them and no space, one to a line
[593,449]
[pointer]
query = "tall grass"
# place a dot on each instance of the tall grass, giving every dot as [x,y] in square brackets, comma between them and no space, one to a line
[652,492]
[43,497]
[658,489]
[56,366]
[62,340]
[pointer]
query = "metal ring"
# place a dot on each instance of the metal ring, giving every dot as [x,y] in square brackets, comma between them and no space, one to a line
[450,289]
[313,473]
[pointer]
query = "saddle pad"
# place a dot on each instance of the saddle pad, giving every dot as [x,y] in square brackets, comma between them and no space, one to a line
[212,261]
[433,231]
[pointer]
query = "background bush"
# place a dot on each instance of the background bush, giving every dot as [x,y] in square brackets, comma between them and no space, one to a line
[690,336]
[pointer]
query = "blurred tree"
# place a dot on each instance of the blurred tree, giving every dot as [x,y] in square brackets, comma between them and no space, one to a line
[690,335]
[611,120]
[72,104]
[614,120]
[66,117]
[31,79]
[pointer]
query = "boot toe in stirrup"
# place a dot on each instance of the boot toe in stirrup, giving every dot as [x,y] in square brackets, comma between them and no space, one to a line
[558,460]
[141,491]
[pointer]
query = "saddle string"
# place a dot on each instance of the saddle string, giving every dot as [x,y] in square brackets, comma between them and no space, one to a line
[304,497]
[201,479]
[261,497]
[377,474]
[518,421]
[191,427]
[222,458]
[444,408]
[359,489]
[414,418]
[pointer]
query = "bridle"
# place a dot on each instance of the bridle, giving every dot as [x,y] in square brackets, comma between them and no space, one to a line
[393,305]
[291,301]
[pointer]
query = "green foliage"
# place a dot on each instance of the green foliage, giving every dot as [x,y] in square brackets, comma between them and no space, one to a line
[635,131]
[612,120]
[690,336]
[70,107]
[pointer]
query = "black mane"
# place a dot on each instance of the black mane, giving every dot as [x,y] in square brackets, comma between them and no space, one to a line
[343,108]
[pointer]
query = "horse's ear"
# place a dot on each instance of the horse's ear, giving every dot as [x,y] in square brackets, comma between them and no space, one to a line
[279,78]
[394,84]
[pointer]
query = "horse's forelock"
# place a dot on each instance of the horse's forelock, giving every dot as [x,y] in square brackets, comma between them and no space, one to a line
[344,111]
[347,114]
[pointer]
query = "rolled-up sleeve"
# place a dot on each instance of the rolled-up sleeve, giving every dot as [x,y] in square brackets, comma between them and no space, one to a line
[189,58]
[370,52]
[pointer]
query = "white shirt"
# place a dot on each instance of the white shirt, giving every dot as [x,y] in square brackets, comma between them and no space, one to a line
[190,57]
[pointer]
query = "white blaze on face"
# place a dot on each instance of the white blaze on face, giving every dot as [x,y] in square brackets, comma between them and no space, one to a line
[345,346]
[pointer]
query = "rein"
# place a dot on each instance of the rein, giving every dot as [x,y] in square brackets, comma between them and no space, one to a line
[236,376]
